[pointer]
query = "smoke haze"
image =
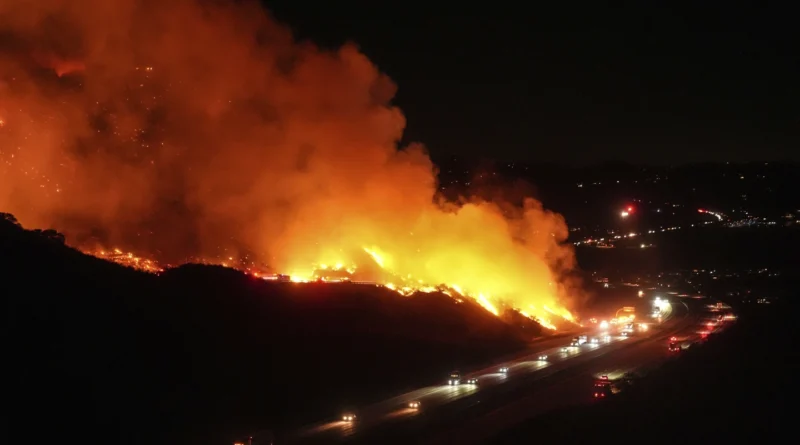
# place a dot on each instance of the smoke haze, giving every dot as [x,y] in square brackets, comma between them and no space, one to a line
[191,128]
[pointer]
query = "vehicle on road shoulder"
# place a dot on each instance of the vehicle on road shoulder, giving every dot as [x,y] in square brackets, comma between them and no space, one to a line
[605,387]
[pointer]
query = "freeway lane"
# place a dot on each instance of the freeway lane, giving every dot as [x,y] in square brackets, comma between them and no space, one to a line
[392,419]
[463,414]
[396,407]
[570,390]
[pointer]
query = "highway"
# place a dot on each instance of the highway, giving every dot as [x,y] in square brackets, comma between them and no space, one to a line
[570,388]
[471,413]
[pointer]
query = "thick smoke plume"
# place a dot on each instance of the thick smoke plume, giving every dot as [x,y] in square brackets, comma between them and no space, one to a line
[193,128]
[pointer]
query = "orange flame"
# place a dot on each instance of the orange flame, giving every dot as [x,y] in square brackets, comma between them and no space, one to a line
[232,136]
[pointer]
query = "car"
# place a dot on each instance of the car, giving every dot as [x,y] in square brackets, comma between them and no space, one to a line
[471,381]
[348,417]
[594,340]
[504,370]
[565,349]
[625,334]
[543,358]
[413,405]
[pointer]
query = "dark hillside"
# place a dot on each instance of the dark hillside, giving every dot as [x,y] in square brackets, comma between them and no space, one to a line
[201,353]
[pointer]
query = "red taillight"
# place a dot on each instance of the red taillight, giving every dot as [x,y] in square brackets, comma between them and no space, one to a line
[596,395]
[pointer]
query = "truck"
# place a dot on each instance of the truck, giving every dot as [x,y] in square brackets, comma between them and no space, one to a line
[577,341]
[604,387]
[456,379]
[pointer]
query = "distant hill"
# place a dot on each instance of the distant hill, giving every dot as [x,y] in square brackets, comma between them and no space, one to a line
[200,353]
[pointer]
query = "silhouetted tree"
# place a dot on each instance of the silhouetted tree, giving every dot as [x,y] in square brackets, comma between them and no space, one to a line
[53,235]
[9,218]
[50,235]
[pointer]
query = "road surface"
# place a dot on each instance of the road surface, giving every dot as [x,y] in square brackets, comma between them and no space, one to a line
[569,389]
[468,414]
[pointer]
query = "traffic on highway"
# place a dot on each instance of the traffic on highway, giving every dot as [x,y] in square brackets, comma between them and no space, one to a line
[592,364]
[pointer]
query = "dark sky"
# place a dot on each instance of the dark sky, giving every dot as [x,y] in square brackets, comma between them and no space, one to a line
[654,84]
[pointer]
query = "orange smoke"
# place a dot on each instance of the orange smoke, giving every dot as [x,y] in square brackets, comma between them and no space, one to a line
[192,128]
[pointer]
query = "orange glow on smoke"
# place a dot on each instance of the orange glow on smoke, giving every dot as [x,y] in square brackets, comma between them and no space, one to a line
[168,128]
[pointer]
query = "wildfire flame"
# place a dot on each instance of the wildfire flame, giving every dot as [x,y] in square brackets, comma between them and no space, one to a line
[128,259]
[190,128]
[340,273]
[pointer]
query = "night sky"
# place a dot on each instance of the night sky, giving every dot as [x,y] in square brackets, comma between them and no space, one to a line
[655,84]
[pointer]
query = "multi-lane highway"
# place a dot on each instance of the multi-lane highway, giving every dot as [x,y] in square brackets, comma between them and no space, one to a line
[571,387]
[544,378]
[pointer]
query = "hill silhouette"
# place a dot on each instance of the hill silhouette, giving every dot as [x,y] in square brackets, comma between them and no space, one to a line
[200,354]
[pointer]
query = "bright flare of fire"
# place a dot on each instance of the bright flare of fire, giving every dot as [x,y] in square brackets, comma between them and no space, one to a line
[192,128]
[128,259]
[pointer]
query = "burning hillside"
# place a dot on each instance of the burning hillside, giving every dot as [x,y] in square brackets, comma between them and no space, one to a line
[196,130]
